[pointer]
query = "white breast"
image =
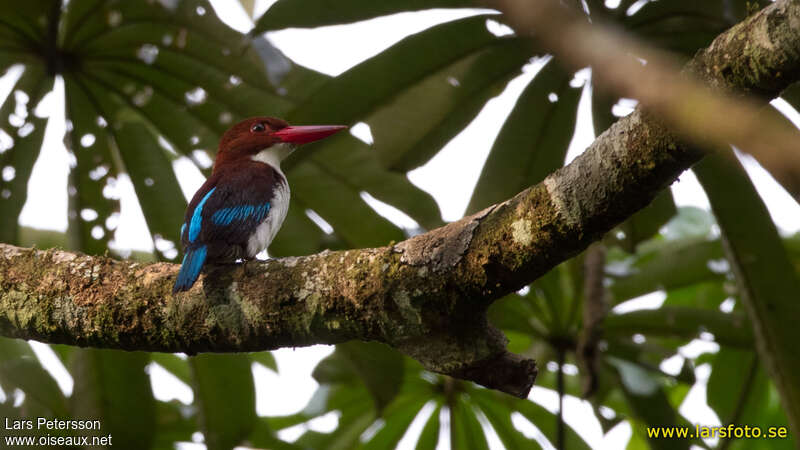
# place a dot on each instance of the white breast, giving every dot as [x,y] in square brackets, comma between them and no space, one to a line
[266,231]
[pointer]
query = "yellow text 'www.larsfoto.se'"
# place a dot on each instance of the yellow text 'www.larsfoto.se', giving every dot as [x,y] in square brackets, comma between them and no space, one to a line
[730,431]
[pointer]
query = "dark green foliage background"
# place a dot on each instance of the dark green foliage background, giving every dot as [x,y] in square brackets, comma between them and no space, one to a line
[130,69]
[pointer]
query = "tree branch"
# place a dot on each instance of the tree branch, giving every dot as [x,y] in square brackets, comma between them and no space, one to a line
[426,296]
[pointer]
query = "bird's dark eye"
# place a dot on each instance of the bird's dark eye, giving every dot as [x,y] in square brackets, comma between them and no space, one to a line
[257,128]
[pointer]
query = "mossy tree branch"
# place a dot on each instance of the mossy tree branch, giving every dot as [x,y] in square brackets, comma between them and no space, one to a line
[426,296]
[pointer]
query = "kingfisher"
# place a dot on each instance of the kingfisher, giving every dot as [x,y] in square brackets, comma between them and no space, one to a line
[238,210]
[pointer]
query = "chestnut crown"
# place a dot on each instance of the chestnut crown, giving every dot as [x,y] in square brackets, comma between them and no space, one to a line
[251,135]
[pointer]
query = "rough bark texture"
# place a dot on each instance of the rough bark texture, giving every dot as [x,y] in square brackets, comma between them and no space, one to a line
[426,296]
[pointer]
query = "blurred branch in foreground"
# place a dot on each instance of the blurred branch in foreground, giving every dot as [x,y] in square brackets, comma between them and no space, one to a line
[756,57]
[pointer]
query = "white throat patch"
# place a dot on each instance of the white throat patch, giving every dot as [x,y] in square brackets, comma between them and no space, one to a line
[274,155]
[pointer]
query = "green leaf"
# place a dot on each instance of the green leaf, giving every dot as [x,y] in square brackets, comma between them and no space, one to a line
[225,395]
[646,222]
[263,437]
[27,135]
[334,198]
[465,430]
[418,122]
[153,58]
[673,266]
[351,426]
[767,280]
[737,388]
[546,422]
[27,21]
[602,116]
[112,386]
[359,91]
[316,13]
[649,403]
[708,294]
[379,367]
[550,293]
[499,417]
[683,25]
[94,168]
[690,222]
[517,314]
[152,176]
[266,359]
[145,161]
[792,95]
[534,139]
[429,437]
[682,322]
[397,416]
[299,235]
[20,369]
[356,165]
[175,422]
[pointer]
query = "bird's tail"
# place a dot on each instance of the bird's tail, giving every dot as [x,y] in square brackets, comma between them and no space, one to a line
[190,269]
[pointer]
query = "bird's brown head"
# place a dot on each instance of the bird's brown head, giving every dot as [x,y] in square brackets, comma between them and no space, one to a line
[267,139]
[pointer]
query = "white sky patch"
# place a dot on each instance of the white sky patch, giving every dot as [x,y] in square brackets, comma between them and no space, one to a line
[686,191]
[672,365]
[498,29]
[291,391]
[167,386]
[371,430]
[409,439]
[337,48]
[46,206]
[695,407]
[784,210]
[444,429]
[9,80]
[189,176]
[787,110]
[319,221]
[132,232]
[529,430]
[697,347]
[492,437]
[577,413]
[624,106]
[653,300]
[362,132]
[584,128]
[463,157]
[389,212]
[52,364]
[45,107]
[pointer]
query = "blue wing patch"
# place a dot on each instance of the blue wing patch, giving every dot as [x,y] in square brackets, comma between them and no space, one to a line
[183,228]
[197,218]
[225,216]
[190,269]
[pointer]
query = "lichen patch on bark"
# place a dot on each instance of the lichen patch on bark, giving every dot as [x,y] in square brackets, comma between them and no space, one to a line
[521,231]
[442,248]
